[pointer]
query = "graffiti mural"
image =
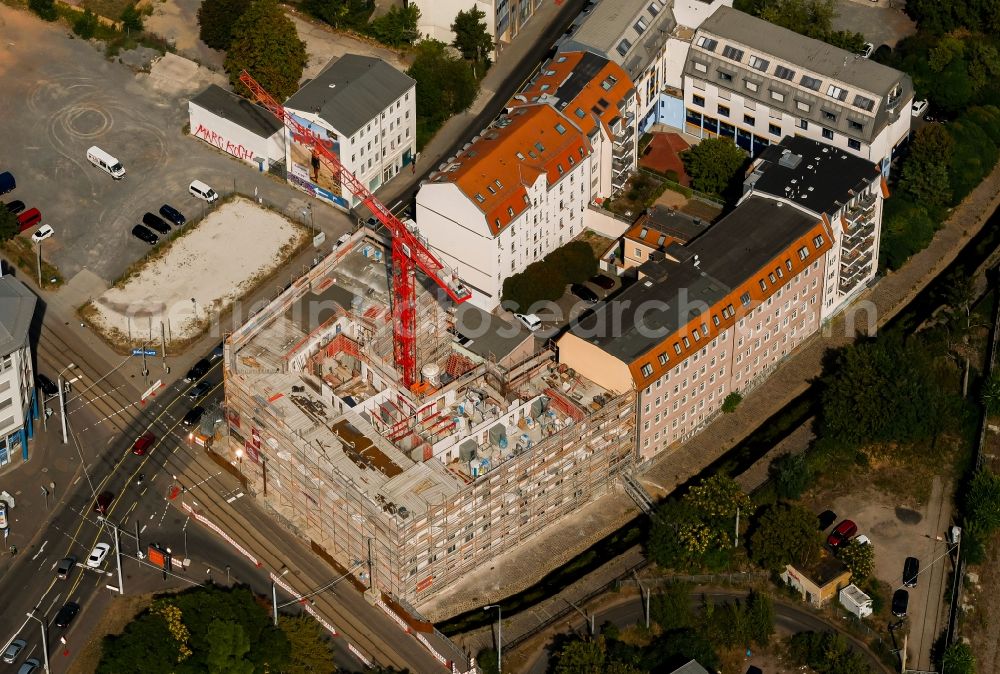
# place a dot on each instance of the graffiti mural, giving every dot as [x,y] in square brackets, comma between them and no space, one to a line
[221,142]
[307,171]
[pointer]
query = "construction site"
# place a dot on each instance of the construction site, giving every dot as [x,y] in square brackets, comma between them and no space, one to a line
[411,486]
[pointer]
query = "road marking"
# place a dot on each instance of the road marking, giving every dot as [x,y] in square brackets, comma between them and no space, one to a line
[143,529]
[233,498]
[113,414]
[40,549]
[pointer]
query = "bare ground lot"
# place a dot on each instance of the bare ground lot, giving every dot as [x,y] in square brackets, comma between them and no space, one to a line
[197,275]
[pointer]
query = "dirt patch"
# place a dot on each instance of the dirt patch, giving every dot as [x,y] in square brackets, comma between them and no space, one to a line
[663,155]
[112,621]
[981,610]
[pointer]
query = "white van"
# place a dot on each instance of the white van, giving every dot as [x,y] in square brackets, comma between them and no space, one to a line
[202,191]
[106,162]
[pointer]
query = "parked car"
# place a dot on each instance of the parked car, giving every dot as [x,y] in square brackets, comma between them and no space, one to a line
[47,386]
[197,392]
[65,566]
[193,416]
[97,555]
[602,281]
[144,234]
[43,232]
[918,108]
[103,502]
[15,648]
[198,370]
[143,443]
[217,353]
[172,214]
[15,206]
[155,222]
[66,614]
[7,182]
[911,569]
[584,293]
[28,666]
[202,191]
[530,321]
[826,519]
[28,219]
[900,602]
[843,533]
[862,540]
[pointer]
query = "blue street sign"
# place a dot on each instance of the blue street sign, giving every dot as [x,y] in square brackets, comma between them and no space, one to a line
[138,352]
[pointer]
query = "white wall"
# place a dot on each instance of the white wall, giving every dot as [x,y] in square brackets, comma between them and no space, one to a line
[437,16]
[16,382]
[233,138]
[604,223]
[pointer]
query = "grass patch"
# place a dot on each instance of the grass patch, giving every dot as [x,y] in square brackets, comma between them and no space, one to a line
[21,253]
[110,9]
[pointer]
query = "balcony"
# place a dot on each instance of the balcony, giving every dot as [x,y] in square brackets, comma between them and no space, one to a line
[859,245]
[625,136]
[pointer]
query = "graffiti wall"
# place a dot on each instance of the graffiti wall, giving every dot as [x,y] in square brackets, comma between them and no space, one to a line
[239,151]
[308,172]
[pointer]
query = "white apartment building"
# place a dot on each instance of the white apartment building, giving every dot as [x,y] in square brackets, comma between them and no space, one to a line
[504,19]
[756,82]
[507,199]
[649,40]
[18,401]
[365,110]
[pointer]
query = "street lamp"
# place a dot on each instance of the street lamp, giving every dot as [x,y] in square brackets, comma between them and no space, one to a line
[239,458]
[274,594]
[499,633]
[62,401]
[45,637]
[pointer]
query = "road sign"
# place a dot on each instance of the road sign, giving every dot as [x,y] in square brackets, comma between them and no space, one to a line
[141,352]
[3,516]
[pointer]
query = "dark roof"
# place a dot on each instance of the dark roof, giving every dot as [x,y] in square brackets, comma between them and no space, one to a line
[726,255]
[351,91]
[824,570]
[17,307]
[818,177]
[690,667]
[316,309]
[491,336]
[238,110]
[675,223]
[585,71]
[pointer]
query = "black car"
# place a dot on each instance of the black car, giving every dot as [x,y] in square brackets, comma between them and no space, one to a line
[143,234]
[15,206]
[47,386]
[602,281]
[900,601]
[198,370]
[155,222]
[200,390]
[584,293]
[217,353]
[911,568]
[193,416]
[172,214]
[66,614]
[826,519]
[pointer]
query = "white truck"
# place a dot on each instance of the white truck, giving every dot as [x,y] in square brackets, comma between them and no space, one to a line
[856,601]
[106,162]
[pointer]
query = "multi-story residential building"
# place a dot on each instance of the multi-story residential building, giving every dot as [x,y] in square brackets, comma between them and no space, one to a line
[365,111]
[410,489]
[648,39]
[598,97]
[504,19]
[18,401]
[756,82]
[719,313]
[657,229]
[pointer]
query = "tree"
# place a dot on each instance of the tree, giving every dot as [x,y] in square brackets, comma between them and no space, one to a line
[266,45]
[397,27]
[718,497]
[471,36]
[581,657]
[958,658]
[924,175]
[812,18]
[859,558]
[826,653]
[228,648]
[671,608]
[731,402]
[759,610]
[8,225]
[981,502]
[352,14]
[445,86]
[46,9]
[310,647]
[784,534]
[86,24]
[792,474]
[714,165]
[216,19]
[991,389]
[131,19]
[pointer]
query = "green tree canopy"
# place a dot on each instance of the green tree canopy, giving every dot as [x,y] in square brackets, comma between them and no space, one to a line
[228,647]
[812,18]
[859,559]
[792,474]
[445,86]
[826,653]
[958,658]
[131,19]
[471,36]
[266,45]
[216,19]
[784,534]
[981,500]
[310,647]
[924,176]
[86,24]
[8,225]
[397,27]
[671,607]
[715,165]
[46,9]
[350,14]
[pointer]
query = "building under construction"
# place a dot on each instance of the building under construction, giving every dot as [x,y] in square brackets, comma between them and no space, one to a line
[411,489]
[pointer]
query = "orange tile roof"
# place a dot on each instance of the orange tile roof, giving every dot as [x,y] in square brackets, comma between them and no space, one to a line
[590,103]
[494,171]
[652,234]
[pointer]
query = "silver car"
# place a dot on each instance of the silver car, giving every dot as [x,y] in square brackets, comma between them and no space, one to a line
[15,648]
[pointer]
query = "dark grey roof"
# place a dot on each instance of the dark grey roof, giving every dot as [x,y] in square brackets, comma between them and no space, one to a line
[351,91]
[17,307]
[316,309]
[238,110]
[814,175]
[690,667]
[675,223]
[585,71]
[726,255]
[798,52]
[491,336]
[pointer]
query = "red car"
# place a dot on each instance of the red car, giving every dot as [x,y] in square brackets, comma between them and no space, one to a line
[143,443]
[103,502]
[842,533]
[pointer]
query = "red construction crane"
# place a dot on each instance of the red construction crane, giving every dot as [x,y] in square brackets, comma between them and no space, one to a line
[408,251]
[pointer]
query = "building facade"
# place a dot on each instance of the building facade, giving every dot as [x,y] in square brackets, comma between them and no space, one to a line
[364,110]
[755,82]
[237,126]
[504,19]
[18,395]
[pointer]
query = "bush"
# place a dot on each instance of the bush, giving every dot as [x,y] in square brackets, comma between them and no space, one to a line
[46,9]
[975,154]
[731,402]
[906,230]
[85,25]
[131,19]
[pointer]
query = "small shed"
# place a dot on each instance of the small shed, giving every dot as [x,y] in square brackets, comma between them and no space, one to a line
[856,601]
[820,581]
[237,127]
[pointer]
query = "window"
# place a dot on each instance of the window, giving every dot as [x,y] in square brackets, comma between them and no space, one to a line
[752,86]
[784,73]
[732,53]
[716,321]
[687,345]
[707,43]
[817,241]
[700,67]
[781,274]
[647,370]
[609,82]
[770,277]
[663,358]
[828,134]
[778,96]
[747,119]
[803,124]
[804,107]
[855,126]
[480,198]
[828,116]
[677,349]
[654,8]
[698,100]
[580,113]
[864,103]
[560,168]
[572,162]
[510,211]
[833,91]
[724,110]
[745,299]
[763,284]
[853,144]
[539,147]
[623,47]
[774,129]
[803,253]
[810,82]
[758,63]
[788,265]
[725,77]
[640,26]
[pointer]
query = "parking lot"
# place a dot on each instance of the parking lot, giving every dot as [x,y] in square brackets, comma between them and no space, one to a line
[57,105]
